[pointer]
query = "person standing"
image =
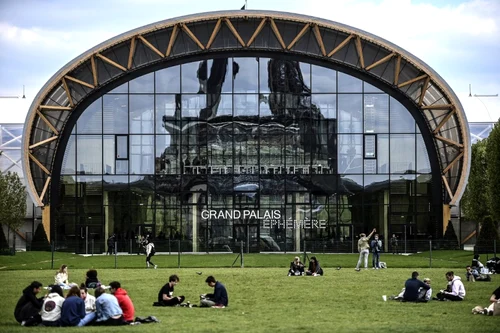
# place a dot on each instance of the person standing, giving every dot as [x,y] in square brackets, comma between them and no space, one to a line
[376,246]
[394,244]
[150,251]
[218,299]
[111,244]
[166,295]
[364,249]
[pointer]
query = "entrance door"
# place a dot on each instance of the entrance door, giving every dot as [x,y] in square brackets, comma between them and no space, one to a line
[249,234]
[89,240]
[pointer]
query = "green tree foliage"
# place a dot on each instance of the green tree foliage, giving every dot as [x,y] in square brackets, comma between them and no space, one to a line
[40,241]
[474,202]
[487,235]
[13,200]
[493,172]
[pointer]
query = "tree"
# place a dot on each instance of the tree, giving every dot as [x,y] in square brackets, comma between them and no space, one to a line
[487,235]
[474,202]
[13,201]
[493,172]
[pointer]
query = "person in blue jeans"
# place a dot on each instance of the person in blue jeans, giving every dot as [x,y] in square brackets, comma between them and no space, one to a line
[376,246]
[108,310]
[73,310]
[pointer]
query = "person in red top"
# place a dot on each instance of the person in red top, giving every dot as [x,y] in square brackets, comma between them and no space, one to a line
[123,300]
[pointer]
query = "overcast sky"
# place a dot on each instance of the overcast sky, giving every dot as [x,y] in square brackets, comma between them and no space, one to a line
[459,39]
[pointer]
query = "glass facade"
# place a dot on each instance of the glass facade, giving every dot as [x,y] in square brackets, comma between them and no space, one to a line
[268,152]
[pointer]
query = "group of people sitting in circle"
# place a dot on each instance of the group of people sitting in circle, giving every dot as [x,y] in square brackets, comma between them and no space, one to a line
[80,308]
[219,299]
[297,268]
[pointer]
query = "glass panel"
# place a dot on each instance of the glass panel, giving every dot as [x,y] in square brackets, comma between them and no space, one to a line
[370,146]
[376,113]
[167,111]
[349,84]
[141,114]
[245,72]
[327,104]
[108,145]
[69,160]
[401,119]
[402,153]
[89,163]
[121,147]
[168,80]
[423,164]
[383,153]
[350,153]
[324,80]
[350,113]
[90,121]
[192,105]
[246,105]
[142,84]
[115,119]
[194,77]
[142,154]
[368,88]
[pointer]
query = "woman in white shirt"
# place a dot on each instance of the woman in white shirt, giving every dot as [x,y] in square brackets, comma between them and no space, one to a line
[61,278]
[51,308]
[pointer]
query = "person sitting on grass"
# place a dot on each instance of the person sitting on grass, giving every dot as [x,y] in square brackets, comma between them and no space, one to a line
[28,307]
[61,278]
[108,311]
[52,306]
[455,291]
[296,267]
[87,298]
[218,299]
[473,275]
[415,290]
[123,300]
[91,280]
[476,264]
[493,309]
[314,267]
[73,310]
[166,295]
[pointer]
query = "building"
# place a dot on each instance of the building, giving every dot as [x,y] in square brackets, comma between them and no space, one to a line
[264,127]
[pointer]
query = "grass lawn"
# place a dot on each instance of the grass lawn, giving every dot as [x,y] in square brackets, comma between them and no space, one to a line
[264,299]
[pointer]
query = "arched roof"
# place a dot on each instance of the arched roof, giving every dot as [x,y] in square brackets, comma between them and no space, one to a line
[241,31]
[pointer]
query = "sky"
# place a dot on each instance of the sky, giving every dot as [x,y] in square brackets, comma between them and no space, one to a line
[459,39]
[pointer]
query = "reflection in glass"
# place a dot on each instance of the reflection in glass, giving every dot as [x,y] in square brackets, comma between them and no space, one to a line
[297,138]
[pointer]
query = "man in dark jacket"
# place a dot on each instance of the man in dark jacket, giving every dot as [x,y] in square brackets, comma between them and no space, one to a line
[218,299]
[412,288]
[28,307]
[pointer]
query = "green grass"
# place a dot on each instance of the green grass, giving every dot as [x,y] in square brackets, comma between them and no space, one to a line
[265,299]
[43,260]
